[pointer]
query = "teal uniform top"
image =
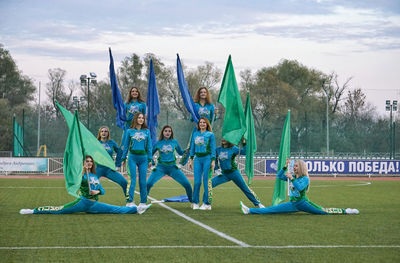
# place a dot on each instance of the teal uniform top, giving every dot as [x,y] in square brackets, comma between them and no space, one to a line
[167,149]
[202,144]
[94,185]
[297,186]
[137,142]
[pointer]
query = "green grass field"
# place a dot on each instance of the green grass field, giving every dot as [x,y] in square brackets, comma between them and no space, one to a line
[160,235]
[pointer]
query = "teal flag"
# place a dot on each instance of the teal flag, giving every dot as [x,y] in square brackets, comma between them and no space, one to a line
[18,139]
[284,153]
[73,158]
[251,143]
[234,125]
[90,143]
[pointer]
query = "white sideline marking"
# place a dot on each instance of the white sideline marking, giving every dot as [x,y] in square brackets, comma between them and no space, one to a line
[224,188]
[152,247]
[223,235]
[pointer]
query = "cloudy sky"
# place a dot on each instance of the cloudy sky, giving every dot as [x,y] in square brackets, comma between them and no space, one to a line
[359,39]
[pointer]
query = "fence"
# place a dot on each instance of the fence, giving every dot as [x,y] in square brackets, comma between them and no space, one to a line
[262,167]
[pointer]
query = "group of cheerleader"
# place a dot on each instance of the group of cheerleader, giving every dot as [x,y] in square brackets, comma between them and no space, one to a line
[137,152]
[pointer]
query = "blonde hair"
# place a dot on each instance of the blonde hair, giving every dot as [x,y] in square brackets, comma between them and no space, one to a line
[302,168]
[99,132]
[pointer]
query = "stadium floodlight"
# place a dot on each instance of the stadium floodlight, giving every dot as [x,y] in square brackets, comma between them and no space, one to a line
[87,80]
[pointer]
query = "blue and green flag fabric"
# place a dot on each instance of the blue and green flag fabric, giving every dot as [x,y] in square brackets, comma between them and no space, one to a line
[153,104]
[116,95]
[186,97]
[73,158]
[251,143]
[90,143]
[234,125]
[284,153]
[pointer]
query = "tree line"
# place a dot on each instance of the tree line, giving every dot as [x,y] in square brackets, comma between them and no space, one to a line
[354,124]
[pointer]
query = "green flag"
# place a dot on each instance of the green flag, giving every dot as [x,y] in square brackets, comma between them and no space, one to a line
[90,143]
[18,139]
[73,158]
[250,136]
[234,125]
[284,153]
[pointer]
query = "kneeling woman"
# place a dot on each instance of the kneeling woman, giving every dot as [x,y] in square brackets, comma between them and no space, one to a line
[87,202]
[298,186]
[166,147]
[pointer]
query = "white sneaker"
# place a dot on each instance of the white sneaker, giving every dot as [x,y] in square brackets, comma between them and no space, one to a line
[130,204]
[26,211]
[261,205]
[205,207]
[244,208]
[195,206]
[142,208]
[351,211]
[142,205]
[355,211]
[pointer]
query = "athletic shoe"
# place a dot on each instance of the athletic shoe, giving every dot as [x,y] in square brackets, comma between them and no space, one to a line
[244,208]
[205,207]
[142,208]
[261,205]
[142,205]
[26,211]
[351,211]
[195,206]
[130,204]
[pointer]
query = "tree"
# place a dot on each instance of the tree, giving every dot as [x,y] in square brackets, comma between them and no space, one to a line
[130,74]
[56,90]
[16,94]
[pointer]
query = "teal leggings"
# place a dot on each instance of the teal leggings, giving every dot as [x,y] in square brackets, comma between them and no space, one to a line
[87,206]
[172,171]
[297,206]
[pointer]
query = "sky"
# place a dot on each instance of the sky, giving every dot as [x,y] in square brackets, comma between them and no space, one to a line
[358,39]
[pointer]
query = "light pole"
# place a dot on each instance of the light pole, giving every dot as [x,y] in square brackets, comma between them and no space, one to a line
[77,102]
[87,80]
[327,122]
[392,106]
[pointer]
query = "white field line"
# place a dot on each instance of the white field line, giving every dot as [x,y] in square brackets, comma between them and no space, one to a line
[201,247]
[223,235]
[171,188]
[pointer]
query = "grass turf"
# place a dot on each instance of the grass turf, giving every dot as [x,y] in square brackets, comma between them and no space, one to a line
[377,225]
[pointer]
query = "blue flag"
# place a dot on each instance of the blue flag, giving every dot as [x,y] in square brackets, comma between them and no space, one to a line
[187,99]
[153,104]
[116,95]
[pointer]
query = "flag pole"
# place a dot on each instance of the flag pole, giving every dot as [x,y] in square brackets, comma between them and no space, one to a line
[83,149]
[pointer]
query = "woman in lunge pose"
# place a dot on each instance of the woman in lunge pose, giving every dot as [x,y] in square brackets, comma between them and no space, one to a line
[298,186]
[167,146]
[87,202]
[226,161]
[110,146]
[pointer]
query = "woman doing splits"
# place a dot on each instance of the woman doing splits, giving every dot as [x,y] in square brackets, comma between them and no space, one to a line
[299,201]
[87,202]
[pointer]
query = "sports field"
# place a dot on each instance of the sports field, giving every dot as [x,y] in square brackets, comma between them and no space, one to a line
[172,232]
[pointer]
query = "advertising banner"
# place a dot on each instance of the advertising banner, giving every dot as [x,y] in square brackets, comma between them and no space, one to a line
[23,164]
[391,167]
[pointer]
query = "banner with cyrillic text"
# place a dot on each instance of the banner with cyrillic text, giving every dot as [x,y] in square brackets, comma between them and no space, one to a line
[23,164]
[344,167]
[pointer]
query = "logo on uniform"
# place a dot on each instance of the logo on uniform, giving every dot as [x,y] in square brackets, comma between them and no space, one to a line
[199,140]
[133,109]
[107,147]
[203,111]
[139,136]
[223,156]
[167,148]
